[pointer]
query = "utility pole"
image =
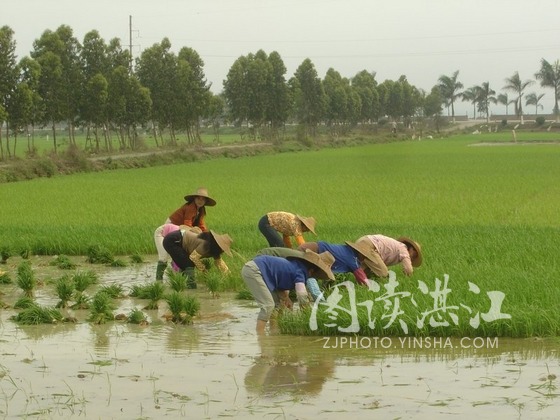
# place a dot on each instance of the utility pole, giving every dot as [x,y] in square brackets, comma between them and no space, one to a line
[130,40]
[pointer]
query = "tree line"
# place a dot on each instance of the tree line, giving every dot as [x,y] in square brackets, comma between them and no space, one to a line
[97,86]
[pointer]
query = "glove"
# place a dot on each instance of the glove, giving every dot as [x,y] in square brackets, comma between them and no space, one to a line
[313,288]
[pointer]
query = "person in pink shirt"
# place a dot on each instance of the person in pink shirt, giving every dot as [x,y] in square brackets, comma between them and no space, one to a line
[391,251]
[163,256]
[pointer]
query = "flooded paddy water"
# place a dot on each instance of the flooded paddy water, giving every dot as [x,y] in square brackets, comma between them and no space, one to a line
[218,368]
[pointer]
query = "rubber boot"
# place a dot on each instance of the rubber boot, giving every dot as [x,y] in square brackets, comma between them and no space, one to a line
[189,275]
[160,269]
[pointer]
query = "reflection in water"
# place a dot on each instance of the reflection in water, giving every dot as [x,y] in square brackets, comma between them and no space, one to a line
[181,338]
[281,369]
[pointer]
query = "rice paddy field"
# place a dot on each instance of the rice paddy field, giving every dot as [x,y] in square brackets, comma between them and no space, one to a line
[481,313]
[486,217]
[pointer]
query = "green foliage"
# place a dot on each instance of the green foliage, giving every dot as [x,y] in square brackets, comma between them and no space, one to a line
[25,278]
[183,307]
[64,289]
[136,316]
[244,294]
[35,315]
[84,279]
[5,253]
[177,280]
[5,278]
[63,262]
[98,254]
[540,121]
[24,302]
[115,291]
[213,280]
[136,258]
[101,308]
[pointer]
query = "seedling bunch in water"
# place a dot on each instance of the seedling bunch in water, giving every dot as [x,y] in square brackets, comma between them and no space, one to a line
[26,278]
[137,317]
[64,287]
[183,307]
[101,308]
[177,280]
[35,315]
[63,262]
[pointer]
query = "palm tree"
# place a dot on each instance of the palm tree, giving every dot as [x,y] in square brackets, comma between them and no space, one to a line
[515,84]
[549,75]
[485,97]
[504,100]
[470,95]
[449,87]
[534,99]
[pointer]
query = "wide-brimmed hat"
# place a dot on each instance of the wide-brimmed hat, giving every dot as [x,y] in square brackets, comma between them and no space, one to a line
[417,261]
[201,192]
[371,259]
[322,261]
[224,241]
[309,222]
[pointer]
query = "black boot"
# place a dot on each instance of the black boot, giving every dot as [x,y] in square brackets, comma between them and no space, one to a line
[160,269]
[189,275]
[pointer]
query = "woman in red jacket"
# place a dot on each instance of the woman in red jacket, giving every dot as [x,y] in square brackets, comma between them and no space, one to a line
[193,212]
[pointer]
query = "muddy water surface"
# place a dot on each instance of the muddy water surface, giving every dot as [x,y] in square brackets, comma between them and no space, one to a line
[218,368]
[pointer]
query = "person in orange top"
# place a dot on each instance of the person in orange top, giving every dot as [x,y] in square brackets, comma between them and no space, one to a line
[287,224]
[193,212]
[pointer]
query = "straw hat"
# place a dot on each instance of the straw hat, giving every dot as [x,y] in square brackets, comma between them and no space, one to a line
[201,192]
[417,261]
[224,241]
[309,222]
[322,261]
[371,259]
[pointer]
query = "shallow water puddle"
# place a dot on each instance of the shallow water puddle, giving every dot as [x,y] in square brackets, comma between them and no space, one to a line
[217,367]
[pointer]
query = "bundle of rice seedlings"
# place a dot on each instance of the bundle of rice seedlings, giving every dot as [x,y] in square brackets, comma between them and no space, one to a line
[64,289]
[5,253]
[118,263]
[24,302]
[213,280]
[101,308]
[115,291]
[63,262]
[176,280]
[97,254]
[137,317]
[35,315]
[154,292]
[84,279]
[26,278]
[182,307]
[5,278]
[136,258]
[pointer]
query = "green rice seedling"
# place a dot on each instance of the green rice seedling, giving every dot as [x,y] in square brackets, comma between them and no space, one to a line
[244,294]
[63,262]
[84,279]
[154,292]
[25,278]
[5,278]
[177,280]
[192,305]
[115,291]
[64,289]
[137,317]
[138,291]
[213,281]
[136,258]
[24,253]
[101,308]
[97,254]
[182,307]
[24,302]
[176,304]
[5,253]
[117,262]
[35,315]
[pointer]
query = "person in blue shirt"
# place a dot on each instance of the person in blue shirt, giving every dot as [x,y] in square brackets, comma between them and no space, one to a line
[270,279]
[350,257]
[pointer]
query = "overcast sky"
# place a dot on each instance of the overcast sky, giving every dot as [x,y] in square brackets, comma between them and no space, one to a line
[486,40]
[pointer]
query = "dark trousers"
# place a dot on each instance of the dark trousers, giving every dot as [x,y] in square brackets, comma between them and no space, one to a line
[173,244]
[271,235]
